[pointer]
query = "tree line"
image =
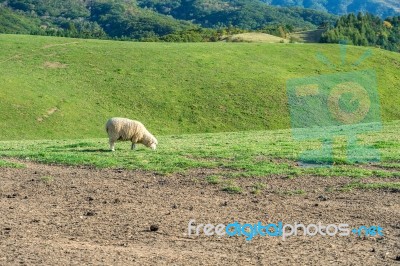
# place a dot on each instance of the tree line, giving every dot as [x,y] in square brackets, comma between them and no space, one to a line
[365,30]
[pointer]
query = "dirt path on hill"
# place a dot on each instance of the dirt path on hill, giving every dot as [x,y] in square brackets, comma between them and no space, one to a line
[57,215]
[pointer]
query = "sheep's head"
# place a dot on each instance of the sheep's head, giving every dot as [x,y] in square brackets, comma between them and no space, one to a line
[153,144]
[150,141]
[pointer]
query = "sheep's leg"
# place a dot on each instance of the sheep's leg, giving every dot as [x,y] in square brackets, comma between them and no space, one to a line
[112,145]
[133,146]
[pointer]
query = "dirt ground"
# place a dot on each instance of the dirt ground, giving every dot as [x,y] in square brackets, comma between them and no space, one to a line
[57,215]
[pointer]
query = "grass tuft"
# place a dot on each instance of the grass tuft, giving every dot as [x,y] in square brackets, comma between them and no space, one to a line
[213,179]
[232,188]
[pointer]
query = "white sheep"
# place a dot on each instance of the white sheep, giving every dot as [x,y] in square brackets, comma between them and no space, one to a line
[126,129]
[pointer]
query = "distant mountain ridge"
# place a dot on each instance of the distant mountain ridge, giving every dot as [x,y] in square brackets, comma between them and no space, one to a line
[382,8]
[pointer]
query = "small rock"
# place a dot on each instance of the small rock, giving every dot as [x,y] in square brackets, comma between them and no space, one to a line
[90,213]
[7,229]
[373,250]
[397,258]
[90,198]
[116,201]
[191,208]
[316,204]
[154,228]
[174,206]
[322,198]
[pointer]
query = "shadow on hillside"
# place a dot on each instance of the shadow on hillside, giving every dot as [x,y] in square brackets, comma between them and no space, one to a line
[311,36]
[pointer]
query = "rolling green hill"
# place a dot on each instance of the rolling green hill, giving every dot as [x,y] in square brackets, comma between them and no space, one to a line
[67,88]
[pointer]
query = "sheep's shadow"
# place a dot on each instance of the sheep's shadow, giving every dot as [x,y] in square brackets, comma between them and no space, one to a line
[95,150]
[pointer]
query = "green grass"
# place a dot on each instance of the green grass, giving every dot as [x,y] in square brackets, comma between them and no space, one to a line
[5,164]
[240,154]
[60,88]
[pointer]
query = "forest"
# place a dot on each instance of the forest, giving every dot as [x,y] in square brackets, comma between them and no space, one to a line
[366,30]
[149,19]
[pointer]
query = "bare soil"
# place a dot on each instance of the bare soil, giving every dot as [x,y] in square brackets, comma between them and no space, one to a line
[58,215]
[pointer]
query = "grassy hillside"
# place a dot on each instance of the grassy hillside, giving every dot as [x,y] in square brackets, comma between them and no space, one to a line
[68,88]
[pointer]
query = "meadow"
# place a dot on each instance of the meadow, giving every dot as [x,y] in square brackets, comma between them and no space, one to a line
[214,106]
[60,88]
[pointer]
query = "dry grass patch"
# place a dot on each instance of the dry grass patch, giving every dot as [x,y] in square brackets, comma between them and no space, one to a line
[54,65]
[256,37]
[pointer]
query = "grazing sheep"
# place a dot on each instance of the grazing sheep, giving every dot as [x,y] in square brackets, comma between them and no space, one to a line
[126,129]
